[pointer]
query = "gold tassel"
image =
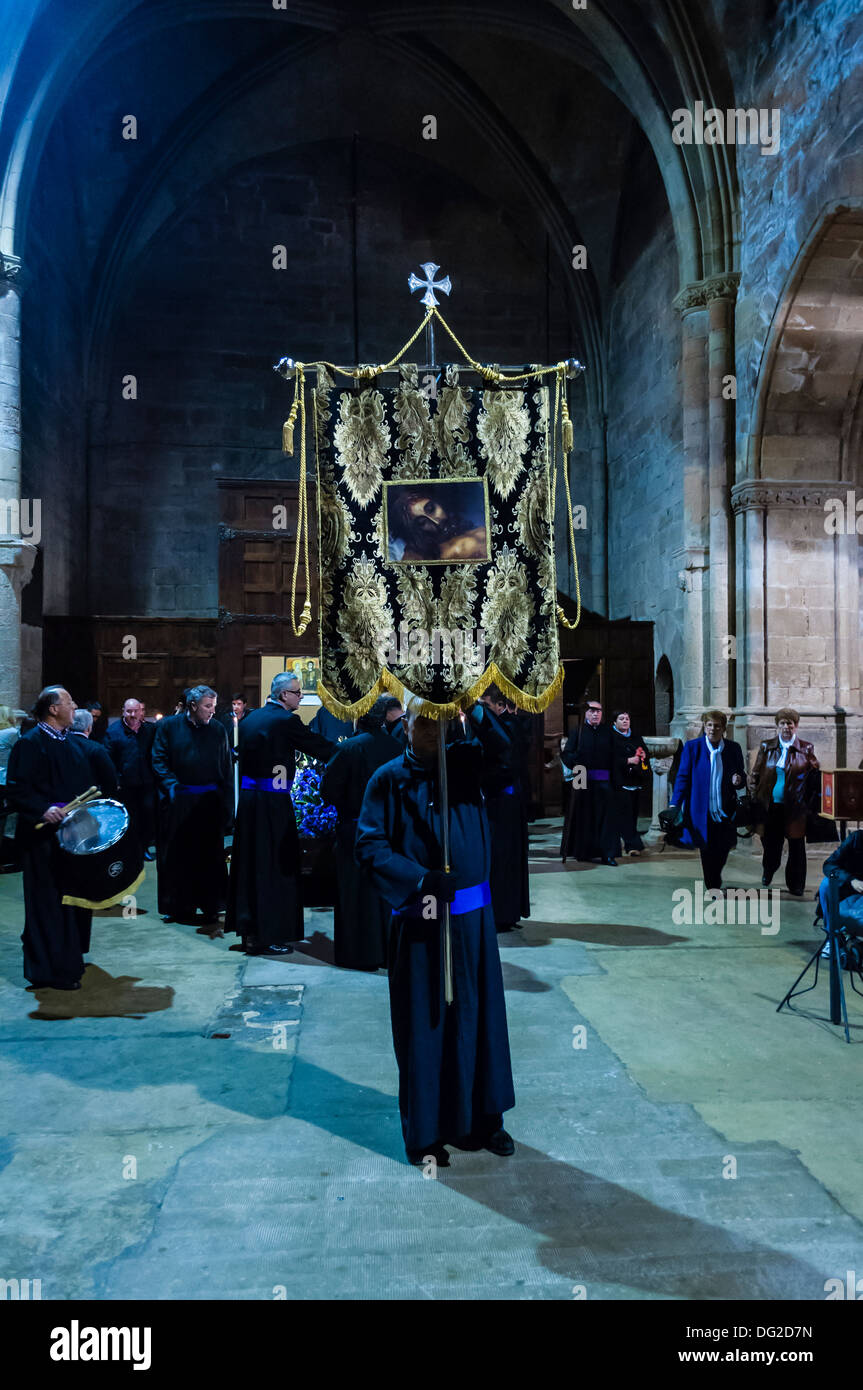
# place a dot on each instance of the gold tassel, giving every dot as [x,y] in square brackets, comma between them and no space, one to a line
[305,618]
[288,435]
[567,436]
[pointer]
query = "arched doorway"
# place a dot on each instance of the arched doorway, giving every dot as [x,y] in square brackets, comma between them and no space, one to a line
[799,593]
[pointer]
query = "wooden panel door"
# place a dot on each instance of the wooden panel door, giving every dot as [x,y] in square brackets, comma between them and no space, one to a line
[256,561]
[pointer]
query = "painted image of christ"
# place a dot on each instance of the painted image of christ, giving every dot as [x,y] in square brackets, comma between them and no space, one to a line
[437,522]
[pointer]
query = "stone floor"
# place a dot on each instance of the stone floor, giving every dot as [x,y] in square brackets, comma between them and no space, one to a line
[211,1126]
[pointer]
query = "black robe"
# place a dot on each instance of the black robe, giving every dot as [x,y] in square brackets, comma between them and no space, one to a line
[44,772]
[362,916]
[593,833]
[455,1076]
[331,727]
[192,823]
[507,818]
[265,902]
[103,774]
[131,752]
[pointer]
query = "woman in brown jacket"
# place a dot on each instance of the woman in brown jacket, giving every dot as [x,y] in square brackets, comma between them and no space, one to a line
[785,780]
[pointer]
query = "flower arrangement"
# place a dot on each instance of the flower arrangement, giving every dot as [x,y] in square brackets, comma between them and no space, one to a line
[314,819]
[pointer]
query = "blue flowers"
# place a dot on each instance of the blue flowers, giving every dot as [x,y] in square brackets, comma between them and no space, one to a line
[314,819]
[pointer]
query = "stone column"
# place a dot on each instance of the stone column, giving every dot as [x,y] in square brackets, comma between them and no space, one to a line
[720,292]
[16,556]
[692,555]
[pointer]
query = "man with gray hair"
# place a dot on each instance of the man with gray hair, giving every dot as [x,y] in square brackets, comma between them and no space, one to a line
[192,763]
[103,772]
[265,904]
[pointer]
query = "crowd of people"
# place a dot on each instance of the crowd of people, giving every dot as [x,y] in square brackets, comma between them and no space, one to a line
[190,780]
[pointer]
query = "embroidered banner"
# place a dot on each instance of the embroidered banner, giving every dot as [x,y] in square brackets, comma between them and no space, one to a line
[436,542]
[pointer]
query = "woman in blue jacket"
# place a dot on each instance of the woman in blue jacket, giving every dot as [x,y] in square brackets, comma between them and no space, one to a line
[711,769]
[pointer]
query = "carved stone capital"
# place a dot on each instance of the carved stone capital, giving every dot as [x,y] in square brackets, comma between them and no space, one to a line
[17,558]
[763,494]
[701,292]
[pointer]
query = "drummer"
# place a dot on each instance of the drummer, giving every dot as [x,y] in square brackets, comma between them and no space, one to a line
[48,767]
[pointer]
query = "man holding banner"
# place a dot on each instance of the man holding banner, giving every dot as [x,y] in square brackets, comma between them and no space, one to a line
[455,1076]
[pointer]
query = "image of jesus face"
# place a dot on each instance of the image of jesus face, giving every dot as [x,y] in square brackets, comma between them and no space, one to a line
[437,522]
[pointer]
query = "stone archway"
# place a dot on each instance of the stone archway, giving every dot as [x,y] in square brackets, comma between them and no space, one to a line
[799,591]
[664,696]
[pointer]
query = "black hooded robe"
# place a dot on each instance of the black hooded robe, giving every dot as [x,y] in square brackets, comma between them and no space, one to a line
[362,917]
[455,1075]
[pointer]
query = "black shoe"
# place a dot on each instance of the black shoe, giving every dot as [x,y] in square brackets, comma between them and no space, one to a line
[167,918]
[436,1151]
[765,881]
[149,856]
[612,863]
[500,1143]
[76,985]
[273,952]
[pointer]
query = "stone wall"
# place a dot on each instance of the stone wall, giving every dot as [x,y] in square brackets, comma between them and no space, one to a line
[208,315]
[645,463]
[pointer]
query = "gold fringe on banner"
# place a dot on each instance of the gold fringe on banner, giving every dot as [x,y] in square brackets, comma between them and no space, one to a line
[388,684]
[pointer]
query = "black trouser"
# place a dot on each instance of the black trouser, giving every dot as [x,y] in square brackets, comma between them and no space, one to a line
[715,853]
[627,817]
[772,841]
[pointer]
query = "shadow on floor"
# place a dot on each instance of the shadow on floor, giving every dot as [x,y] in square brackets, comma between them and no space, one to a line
[103,996]
[595,933]
[595,1231]
[515,977]
[601,1233]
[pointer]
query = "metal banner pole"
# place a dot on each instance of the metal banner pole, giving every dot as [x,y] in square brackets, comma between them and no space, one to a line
[444,823]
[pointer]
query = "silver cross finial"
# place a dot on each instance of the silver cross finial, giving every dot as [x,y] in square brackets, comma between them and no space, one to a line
[429,284]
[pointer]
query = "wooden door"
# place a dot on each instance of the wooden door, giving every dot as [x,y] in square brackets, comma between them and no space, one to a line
[257,539]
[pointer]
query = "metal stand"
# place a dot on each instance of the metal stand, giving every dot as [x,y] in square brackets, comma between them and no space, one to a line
[838,1011]
[444,836]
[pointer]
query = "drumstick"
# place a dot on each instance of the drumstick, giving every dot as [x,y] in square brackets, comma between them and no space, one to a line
[81,800]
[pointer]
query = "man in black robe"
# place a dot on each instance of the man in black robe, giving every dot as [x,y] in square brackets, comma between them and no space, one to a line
[593,836]
[265,904]
[47,768]
[455,1076]
[192,764]
[361,926]
[129,742]
[507,818]
[103,775]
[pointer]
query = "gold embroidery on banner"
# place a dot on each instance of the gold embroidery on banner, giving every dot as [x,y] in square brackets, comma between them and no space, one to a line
[364,622]
[415,429]
[463,654]
[503,427]
[507,611]
[362,441]
[451,428]
[532,513]
[419,619]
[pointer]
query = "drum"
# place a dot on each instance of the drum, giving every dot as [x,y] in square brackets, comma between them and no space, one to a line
[102,860]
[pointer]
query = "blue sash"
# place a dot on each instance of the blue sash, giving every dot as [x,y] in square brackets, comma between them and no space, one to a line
[261,784]
[188,788]
[465,900]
